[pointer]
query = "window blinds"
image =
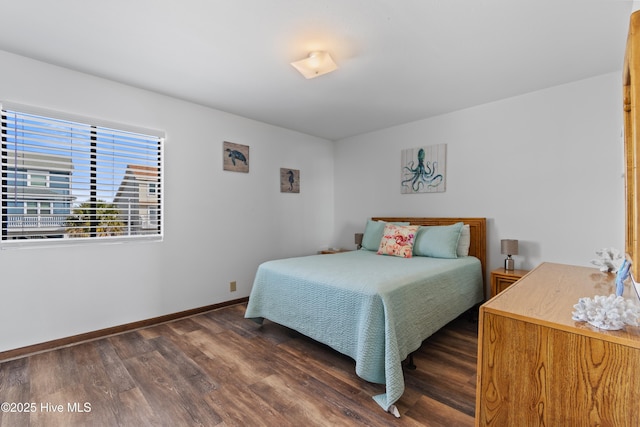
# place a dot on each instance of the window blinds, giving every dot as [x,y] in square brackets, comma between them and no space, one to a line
[77,180]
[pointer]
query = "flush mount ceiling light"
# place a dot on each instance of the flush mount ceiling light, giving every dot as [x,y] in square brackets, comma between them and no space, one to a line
[316,64]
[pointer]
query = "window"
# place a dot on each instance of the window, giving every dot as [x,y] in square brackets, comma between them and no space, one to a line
[32,208]
[38,179]
[78,179]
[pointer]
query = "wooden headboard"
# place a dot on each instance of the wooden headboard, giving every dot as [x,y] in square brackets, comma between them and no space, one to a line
[477,226]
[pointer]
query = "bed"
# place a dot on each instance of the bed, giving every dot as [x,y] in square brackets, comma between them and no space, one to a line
[378,308]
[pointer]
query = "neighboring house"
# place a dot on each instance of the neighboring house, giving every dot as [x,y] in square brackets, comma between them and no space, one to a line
[38,195]
[137,198]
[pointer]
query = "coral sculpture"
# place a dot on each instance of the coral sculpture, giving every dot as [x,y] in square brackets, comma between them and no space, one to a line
[610,313]
[609,260]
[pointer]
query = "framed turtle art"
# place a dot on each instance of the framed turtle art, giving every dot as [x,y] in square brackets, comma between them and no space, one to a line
[235,157]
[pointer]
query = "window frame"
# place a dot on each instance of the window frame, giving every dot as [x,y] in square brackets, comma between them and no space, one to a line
[102,127]
[30,181]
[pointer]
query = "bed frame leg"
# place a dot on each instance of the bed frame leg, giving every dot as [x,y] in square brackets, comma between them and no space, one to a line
[410,365]
[472,313]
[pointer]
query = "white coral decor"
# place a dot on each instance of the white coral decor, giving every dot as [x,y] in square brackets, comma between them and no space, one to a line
[610,313]
[609,260]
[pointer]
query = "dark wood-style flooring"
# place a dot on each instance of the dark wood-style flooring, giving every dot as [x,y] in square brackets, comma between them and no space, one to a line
[219,369]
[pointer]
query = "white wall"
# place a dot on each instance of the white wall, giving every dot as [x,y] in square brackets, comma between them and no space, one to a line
[218,225]
[545,168]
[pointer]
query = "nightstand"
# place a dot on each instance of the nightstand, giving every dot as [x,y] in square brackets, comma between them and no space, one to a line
[333,251]
[501,279]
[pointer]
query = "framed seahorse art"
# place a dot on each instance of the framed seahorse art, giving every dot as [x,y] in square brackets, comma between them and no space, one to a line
[235,157]
[423,169]
[289,180]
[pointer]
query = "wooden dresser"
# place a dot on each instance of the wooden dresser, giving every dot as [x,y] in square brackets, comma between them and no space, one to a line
[538,367]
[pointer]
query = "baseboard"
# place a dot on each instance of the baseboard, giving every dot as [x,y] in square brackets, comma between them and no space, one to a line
[101,333]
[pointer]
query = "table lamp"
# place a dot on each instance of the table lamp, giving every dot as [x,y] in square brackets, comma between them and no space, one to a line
[509,247]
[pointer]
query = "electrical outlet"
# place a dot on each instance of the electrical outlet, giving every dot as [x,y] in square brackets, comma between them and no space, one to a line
[232,286]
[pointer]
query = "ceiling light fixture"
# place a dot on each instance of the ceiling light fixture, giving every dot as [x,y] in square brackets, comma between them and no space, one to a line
[316,64]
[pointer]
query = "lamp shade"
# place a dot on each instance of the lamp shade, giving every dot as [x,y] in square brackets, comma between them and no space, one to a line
[509,247]
[316,64]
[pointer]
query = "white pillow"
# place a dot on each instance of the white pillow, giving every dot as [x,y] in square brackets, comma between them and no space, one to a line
[465,241]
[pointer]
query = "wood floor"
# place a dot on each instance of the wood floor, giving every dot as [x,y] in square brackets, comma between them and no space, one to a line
[219,369]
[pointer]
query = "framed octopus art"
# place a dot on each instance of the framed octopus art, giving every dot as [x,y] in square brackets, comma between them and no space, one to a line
[423,169]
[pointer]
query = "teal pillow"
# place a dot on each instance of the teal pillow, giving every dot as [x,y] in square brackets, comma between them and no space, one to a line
[373,232]
[439,241]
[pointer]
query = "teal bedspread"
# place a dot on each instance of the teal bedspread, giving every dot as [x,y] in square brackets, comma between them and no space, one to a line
[376,309]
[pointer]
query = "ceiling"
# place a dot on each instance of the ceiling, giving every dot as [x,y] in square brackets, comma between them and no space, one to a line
[399,60]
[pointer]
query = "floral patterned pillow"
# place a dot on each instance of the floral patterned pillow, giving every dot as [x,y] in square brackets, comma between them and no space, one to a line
[397,240]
